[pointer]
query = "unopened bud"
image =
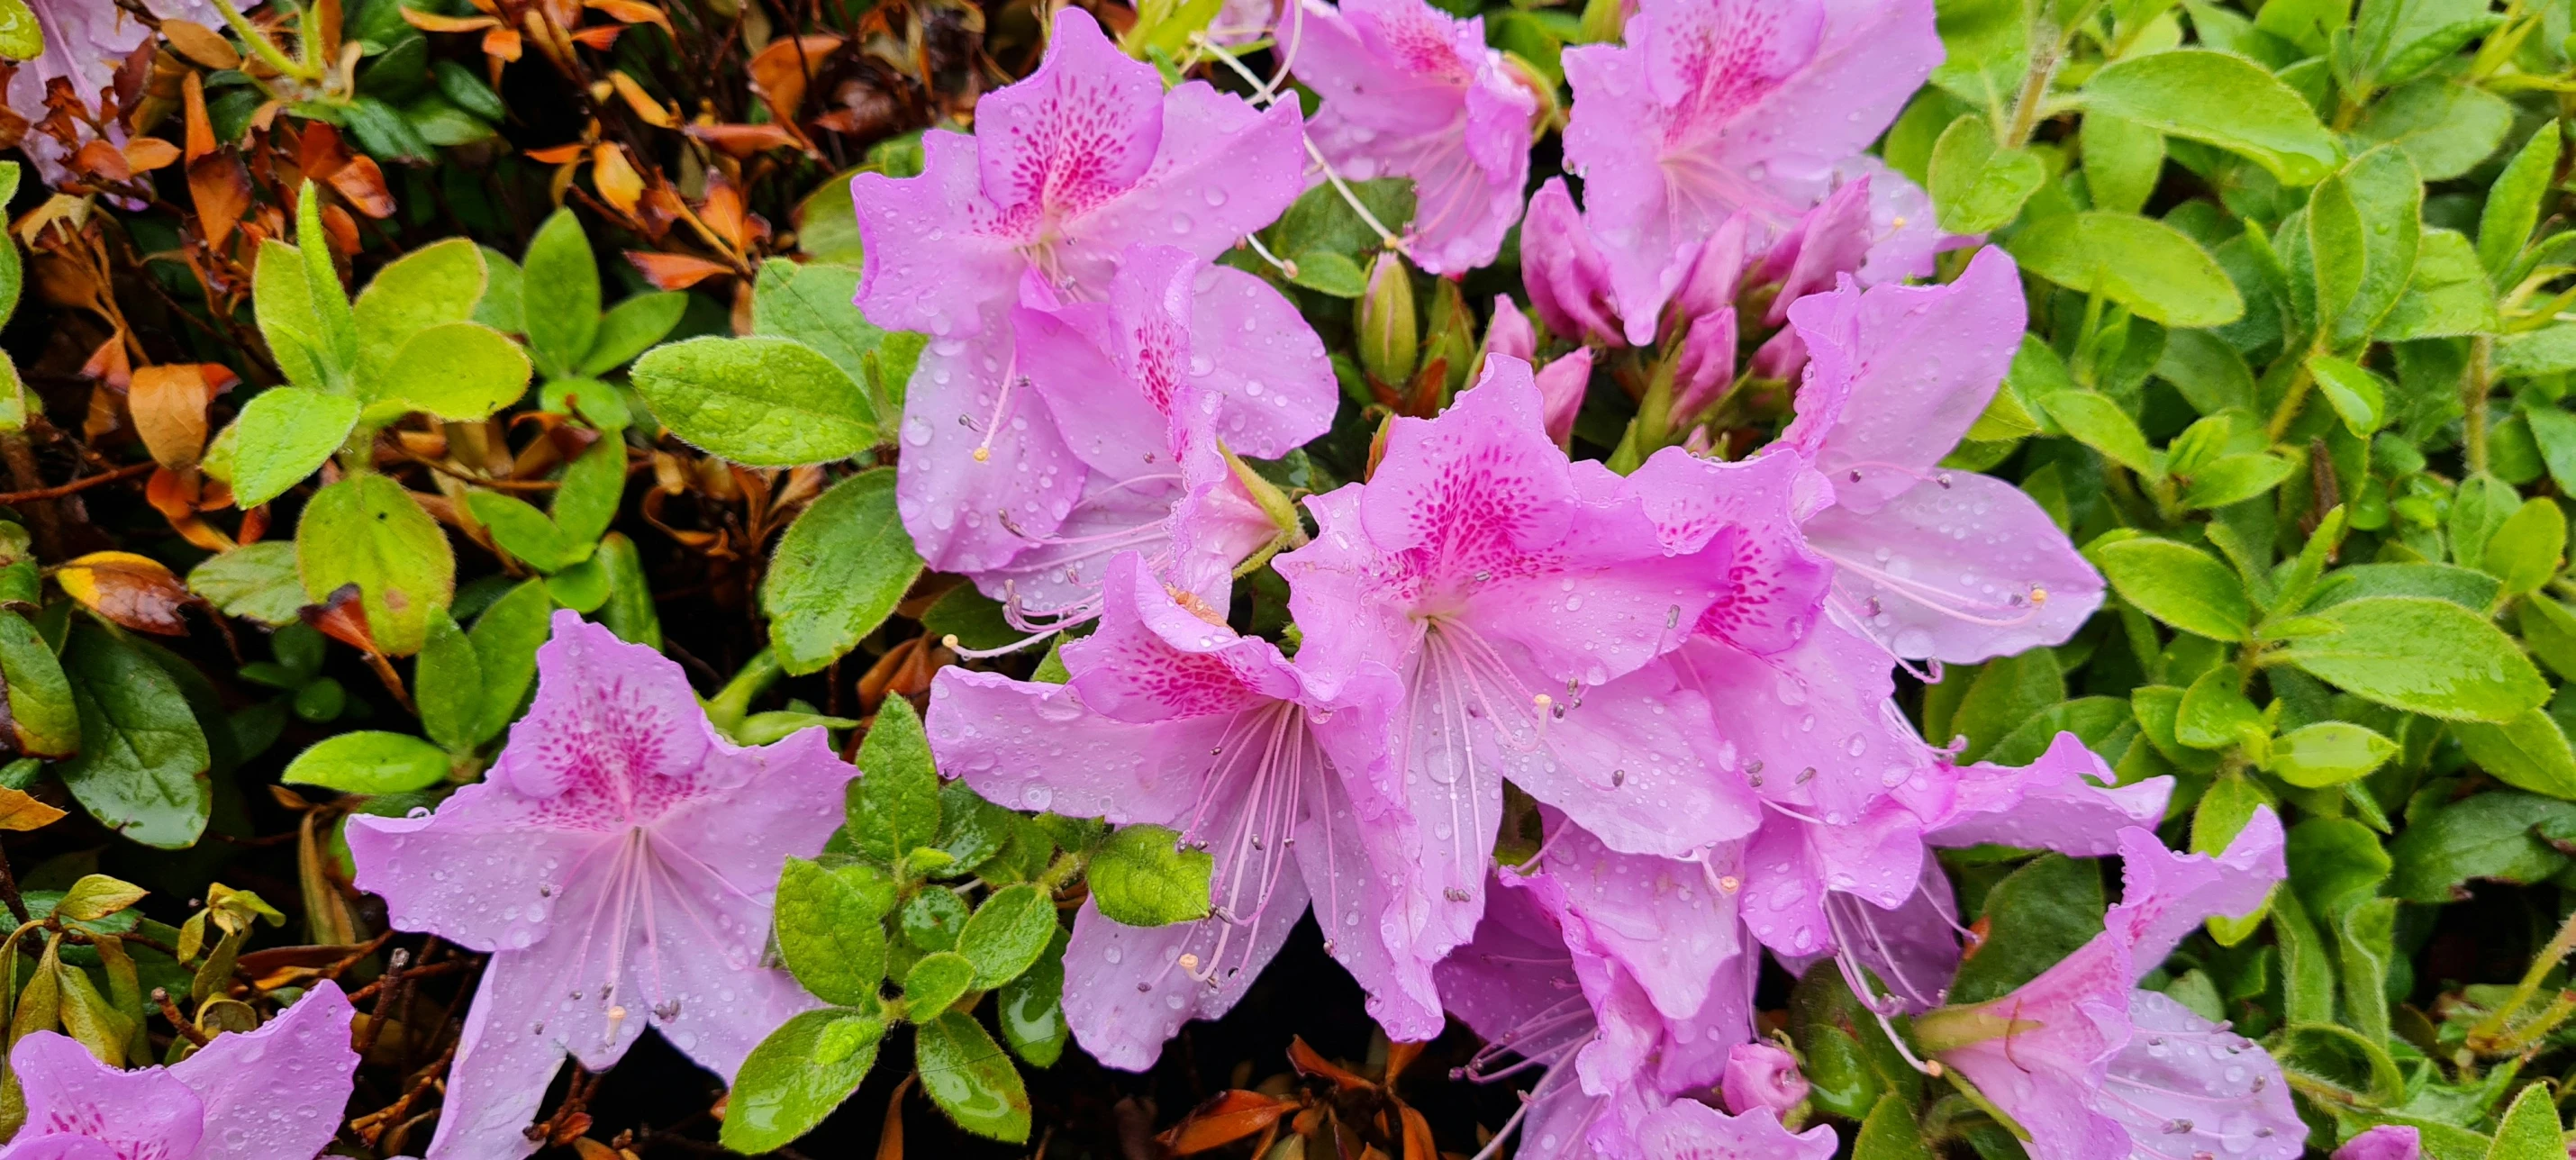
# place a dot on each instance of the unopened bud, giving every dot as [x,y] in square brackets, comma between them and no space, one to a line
[1761,1075]
[1272,501]
[1390,336]
[1451,335]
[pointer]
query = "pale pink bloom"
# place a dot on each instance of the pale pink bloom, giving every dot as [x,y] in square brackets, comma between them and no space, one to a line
[1760,1075]
[276,1093]
[1410,91]
[1714,107]
[619,864]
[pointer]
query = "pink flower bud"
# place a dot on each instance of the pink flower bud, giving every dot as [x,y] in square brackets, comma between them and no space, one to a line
[1560,387]
[1510,332]
[2385,1142]
[1760,1075]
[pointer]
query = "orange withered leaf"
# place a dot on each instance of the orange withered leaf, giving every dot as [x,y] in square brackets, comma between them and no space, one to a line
[1226,1117]
[742,141]
[20,811]
[1309,1062]
[615,176]
[433,22]
[343,618]
[168,404]
[779,72]
[675,271]
[363,184]
[145,154]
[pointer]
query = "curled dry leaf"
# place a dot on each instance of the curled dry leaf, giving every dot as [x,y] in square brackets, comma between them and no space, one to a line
[137,592]
[20,811]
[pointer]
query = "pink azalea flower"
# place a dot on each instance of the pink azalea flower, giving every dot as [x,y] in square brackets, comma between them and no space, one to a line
[618,863]
[1067,169]
[1410,91]
[1760,1075]
[86,42]
[271,1094]
[1947,565]
[1711,108]
[1687,1130]
[2093,1069]
[1173,719]
[1179,355]
[1510,332]
[1519,598]
[1560,390]
[1566,274]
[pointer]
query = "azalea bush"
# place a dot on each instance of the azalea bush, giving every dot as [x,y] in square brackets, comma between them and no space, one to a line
[1270,578]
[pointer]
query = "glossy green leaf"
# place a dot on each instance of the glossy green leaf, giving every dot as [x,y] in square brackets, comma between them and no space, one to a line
[141,770]
[2143,264]
[1030,1008]
[967,1075]
[1142,877]
[2034,917]
[2328,753]
[254,582]
[2221,99]
[368,762]
[283,436]
[44,718]
[560,292]
[2178,584]
[893,806]
[1007,933]
[1976,186]
[447,684]
[523,531]
[838,572]
[2528,752]
[505,639]
[937,980]
[763,402]
[797,1076]
[831,933]
[632,327]
[2425,656]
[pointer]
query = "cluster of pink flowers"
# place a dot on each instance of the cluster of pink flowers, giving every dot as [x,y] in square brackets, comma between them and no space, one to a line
[1688,667]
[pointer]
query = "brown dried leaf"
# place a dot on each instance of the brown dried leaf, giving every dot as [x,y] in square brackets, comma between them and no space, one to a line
[598,37]
[433,22]
[363,184]
[343,618]
[145,154]
[630,12]
[168,404]
[642,102]
[742,141]
[137,592]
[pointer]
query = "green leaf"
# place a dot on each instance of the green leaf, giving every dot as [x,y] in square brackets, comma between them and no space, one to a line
[2530,1130]
[970,828]
[797,1076]
[436,284]
[366,530]
[581,587]
[838,572]
[2513,202]
[2490,836]
[2143,264]
[2529,752]
[335,330]
[369,762]
[938,980]
[2177,584]
[141,770]
[2444,127]
[2328,753]
[2122,161]
[933,920]
[586,499]
[1891,1132]
[2526,550]
[2220,99]
[967,1075]
[811,305]
[1975,186]
[2422,655]
[2549,350]
[501,308]
[505,641]
[96,896]
[2448,294]
[2465,587]
[2215,714]
[2002,694]
[560,293]
[762,402]
[284,313]
[523,531]
[460,371]
[44,716]
[629,612]
[447,683]
[1141,877]
[2363,229]
[632,327]
[2037,915]
[2234,479]
[1030,1008]
[893,806]
[831,931]
[1327,272]
[1007,933]
[254,581]
[21,37]
[2097,422]
[284,435]
[2359,397]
